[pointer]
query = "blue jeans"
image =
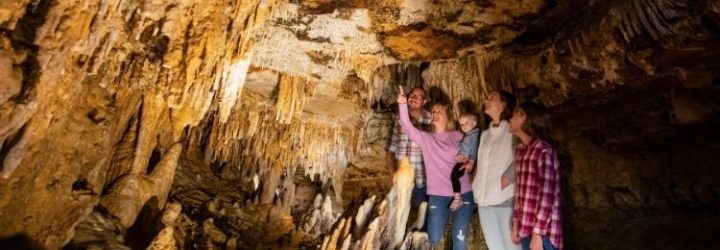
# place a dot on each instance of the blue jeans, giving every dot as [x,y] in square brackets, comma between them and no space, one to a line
[525,243]
[438,207]
[419,194]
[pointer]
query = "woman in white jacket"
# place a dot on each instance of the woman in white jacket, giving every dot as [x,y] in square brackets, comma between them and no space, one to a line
[493,185]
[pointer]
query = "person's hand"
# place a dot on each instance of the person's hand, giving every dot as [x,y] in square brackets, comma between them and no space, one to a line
[536,242]
[461,158]
[469,167]
[504,182]
[514,234]
[401,98]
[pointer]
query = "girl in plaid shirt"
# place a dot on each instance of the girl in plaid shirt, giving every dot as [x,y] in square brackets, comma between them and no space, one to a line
[536,213]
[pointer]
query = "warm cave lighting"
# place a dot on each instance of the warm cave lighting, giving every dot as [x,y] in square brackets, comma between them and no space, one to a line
[233,86]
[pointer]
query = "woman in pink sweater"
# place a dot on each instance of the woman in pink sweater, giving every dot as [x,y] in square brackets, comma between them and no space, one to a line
[439,148]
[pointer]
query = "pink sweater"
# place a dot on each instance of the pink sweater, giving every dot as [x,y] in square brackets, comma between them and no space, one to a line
[439,150]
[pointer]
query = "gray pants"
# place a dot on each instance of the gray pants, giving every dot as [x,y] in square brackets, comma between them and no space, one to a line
[495,223]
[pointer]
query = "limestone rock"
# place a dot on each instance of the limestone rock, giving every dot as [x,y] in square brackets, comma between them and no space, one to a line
[165,240]
[171,213]
[213,233]
[132,192]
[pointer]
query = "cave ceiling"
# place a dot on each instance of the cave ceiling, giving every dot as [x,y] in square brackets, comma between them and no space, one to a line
[332,41]
[565,48]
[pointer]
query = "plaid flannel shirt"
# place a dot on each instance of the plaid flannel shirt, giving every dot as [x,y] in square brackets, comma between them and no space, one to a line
[402,146]
[537,197]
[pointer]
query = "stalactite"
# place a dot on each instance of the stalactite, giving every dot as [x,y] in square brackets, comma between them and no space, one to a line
[291,97]
[234,78]
[346,51]
[459,79]
[656,18]
[483,62]
[383,85]
[501,74]
[254,140]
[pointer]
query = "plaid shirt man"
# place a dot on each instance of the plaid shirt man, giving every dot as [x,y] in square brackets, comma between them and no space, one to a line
[402,146]
[537,200]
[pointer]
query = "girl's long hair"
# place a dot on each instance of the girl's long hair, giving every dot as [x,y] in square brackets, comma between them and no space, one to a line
[537,122]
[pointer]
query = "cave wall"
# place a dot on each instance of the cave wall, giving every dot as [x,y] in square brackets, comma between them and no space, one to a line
[634,99]
[91,88]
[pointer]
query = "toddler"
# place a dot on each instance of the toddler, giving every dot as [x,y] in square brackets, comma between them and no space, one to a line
[466,155]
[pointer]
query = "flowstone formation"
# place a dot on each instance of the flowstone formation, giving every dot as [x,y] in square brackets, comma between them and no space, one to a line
[262,123]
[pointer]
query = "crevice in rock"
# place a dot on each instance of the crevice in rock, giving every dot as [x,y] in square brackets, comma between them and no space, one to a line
[23,39]
[8,144]
[146,227]
[155,158]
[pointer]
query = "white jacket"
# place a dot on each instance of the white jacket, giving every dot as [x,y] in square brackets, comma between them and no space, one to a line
[495,155]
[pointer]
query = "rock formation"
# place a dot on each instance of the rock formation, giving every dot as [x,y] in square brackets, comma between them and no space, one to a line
[404,183]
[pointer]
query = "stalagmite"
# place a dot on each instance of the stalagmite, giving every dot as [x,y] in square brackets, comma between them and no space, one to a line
[363,213]
[152,108]
[346,243]
[368,239]
[128,196]
[346,229]
[422,213]
[309,225]
[211,232]
[270,184]
[322,217]
[387,228]
[404,183]
[165,240]
[256,181]
[332,243]
[327,214]
[325,242]
[375,236]
[416,240]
